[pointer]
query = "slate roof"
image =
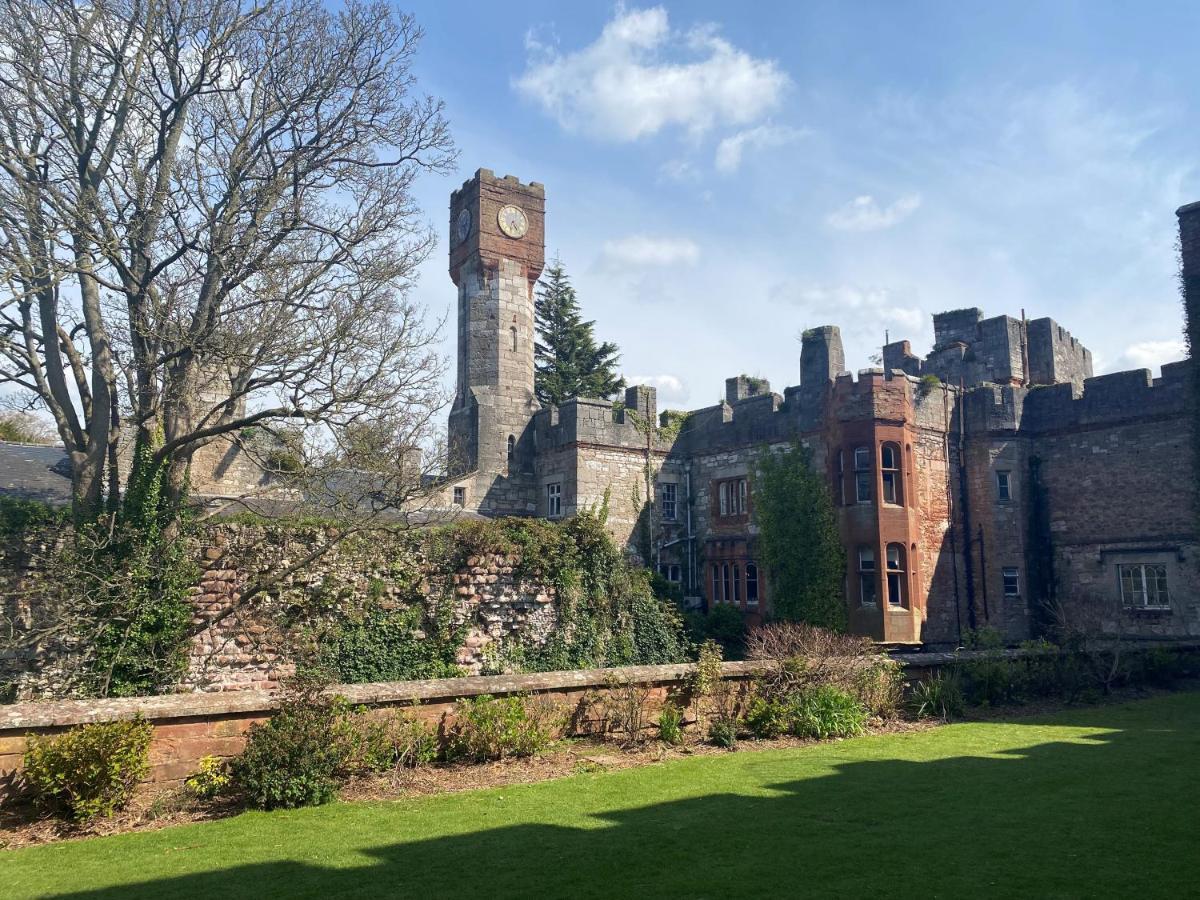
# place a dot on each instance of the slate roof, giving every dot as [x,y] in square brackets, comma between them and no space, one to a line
[35,472]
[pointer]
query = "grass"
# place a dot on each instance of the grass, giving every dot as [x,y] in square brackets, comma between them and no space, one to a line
[1095,802]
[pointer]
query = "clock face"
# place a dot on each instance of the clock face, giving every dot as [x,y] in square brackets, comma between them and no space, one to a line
[462,225]
[512,221]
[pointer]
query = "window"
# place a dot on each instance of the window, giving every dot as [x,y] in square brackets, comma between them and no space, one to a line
[841,475]
[737,586]
[726,587]
[512,448]
[862,474]
[731,497]
[670,506]
[895,574]
[868,586]
[554,500]
[513,333]
[460,496]
[1004,486]
[716,583]
[889,464]
[1144,586]
[1012,582]
[751,584]
[673,572]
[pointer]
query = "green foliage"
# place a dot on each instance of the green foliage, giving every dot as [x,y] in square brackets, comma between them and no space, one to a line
[19,516]
[938,697]
[826,712]
[928,384]
[381,742]
[90,771]
[723,733]
[488,727]
[291,759]
[381,644]
[767,717]
[569,362]
[211,780]
[608,613]
[670,724]
[725,624]
[879,687]
[799,539]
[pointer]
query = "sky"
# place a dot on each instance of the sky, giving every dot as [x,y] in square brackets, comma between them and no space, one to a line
[721,176]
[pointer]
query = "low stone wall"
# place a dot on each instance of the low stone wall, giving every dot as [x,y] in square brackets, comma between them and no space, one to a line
[188,727]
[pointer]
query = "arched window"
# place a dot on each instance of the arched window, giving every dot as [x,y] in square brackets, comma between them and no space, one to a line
[751,584]
[862,474]
[512,448]
[868,583]
[896,580]
[889,465]
[716,583]
[737,590]
[513,332]
[726,587]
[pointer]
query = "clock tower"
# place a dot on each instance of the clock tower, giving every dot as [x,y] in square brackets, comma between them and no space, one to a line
[497,250]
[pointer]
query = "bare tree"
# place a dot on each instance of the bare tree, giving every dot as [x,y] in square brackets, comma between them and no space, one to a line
[207,223]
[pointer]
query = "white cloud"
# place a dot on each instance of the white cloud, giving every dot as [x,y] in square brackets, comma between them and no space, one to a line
[678,170]
[732,148]
[671,388]
[865,214]
[1152,354]
[643,250]
[639,76]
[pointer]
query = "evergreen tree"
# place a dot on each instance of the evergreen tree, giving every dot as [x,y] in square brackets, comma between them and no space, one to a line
[799,541]
[569,362]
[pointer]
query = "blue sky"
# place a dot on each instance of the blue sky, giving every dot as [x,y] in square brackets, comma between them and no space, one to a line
[721,176]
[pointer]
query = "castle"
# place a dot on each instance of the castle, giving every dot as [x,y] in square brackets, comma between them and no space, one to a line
[987,484]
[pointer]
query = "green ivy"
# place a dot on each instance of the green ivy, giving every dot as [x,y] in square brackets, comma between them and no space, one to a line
[389,645]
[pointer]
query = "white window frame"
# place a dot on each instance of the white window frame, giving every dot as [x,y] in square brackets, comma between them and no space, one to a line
[1139,580]
[460,496]
[670,504]
[895,565]
[890,474]
[1011,576]
[554,500]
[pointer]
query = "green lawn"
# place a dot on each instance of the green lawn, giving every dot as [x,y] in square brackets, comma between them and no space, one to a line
[1099,801]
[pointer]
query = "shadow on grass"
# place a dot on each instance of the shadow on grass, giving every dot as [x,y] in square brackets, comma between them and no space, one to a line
[1112,815]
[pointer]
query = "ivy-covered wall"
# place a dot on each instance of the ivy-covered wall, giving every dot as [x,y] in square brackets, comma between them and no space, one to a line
[473,597]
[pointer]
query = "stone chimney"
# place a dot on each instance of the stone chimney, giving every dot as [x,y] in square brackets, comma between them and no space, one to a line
[821,361]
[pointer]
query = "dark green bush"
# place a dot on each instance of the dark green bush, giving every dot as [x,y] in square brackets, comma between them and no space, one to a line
[90,771]
[723,733]
[938,697]
[389,645]
[292,759]
[1160,666]
[488,727]
[826,712]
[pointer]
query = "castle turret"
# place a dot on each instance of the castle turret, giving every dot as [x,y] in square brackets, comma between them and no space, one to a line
[497,250]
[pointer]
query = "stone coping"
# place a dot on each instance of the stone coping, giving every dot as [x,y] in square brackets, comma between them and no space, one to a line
[65,713]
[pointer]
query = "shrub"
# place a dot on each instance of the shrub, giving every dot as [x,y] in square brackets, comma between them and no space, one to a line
[211,780]
[670,724]
[938,697]
[879,687]
[826,712]
[488,727]
[723,733]
[1160,666]
[625,709]
[291,759]
[994,680]
[726,625]
[767,717]
[90,771]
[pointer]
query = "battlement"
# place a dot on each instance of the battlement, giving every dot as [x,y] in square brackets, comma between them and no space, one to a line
[1103,399]
[487,176]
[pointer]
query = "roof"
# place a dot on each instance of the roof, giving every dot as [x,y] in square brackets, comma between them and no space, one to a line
[35,472]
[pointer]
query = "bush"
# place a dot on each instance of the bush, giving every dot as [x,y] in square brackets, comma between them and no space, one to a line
[723,733]
[670,724]
[488,727]
[90,771]
[938,697]
[211,780]
[767,717]
[726,625]
[879,687]
[292,759]
[1160,666]
[994,680]
[826,712]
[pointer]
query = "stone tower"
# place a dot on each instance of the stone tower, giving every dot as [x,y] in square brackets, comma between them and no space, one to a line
[497,250]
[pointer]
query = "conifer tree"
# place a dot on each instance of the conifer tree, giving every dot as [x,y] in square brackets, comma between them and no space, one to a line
[569,362]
